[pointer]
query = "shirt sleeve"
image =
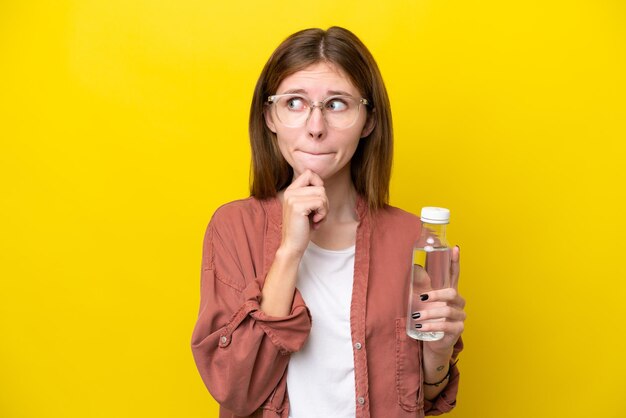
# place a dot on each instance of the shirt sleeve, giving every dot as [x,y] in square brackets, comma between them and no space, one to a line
[446,400]
[240,352]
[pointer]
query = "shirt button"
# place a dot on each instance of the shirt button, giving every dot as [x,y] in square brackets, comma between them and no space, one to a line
[358,346]
[223,340]
[361,400]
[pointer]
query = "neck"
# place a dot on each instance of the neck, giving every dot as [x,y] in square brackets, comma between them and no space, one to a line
[341,196]
[338,231]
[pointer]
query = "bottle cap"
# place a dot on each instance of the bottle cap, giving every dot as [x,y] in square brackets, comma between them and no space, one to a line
[434,215]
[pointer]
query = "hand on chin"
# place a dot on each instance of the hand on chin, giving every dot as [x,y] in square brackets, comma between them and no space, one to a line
[320,171]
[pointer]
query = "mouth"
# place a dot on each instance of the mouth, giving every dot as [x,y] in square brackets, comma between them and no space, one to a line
[316,154]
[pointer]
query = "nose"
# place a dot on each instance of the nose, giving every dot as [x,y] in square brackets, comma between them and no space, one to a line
[316,125]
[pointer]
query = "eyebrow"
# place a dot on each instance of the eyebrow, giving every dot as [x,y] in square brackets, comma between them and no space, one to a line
[329,92]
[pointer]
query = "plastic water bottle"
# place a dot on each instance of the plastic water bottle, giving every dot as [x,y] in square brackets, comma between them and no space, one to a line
[430,268]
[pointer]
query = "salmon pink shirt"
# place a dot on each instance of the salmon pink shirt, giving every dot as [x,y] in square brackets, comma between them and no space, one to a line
[243,355]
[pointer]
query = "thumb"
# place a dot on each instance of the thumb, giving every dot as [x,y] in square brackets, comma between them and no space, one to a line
[455,266]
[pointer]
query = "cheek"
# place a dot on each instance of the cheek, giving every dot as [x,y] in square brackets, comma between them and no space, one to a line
[283,146]
[351,150]
[352,142]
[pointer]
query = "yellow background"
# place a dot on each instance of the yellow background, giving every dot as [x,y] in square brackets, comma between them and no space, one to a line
[124,125]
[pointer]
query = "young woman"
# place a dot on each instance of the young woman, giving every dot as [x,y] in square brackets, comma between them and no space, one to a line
[304,284]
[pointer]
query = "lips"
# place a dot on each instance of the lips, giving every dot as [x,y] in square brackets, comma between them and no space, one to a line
[315,153]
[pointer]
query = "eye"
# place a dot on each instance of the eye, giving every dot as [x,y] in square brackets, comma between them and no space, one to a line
[337,104]
[295,103]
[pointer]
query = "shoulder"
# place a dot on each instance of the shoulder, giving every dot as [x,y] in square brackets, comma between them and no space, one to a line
[243,215]
[236,233]
[236,210]
[395,216]
[391,221]
[394,228]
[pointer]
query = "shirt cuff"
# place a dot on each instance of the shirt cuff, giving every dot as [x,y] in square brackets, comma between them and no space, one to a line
[288,333]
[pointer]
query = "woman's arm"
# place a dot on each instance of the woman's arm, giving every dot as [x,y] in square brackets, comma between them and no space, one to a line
[442,398]
[438,356]
[305,205]
[240,352]
[436,372]
[280,283]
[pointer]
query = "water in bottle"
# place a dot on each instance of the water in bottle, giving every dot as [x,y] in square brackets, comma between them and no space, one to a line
[430,268]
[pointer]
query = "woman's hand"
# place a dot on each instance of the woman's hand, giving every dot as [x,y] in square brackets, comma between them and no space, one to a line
[449,315]
[305,206]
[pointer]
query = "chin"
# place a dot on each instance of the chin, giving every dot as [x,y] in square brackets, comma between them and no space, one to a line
[323,172]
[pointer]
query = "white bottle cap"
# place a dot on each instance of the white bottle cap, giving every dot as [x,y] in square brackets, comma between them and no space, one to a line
[433,215]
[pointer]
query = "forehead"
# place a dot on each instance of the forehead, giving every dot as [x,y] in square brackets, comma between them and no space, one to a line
[319,78]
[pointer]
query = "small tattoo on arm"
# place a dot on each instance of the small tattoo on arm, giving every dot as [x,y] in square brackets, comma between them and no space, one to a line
[440,368]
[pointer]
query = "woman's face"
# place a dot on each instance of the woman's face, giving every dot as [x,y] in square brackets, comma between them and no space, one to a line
[323,149]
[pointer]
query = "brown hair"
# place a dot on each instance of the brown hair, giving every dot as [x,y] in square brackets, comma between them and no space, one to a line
[371,163]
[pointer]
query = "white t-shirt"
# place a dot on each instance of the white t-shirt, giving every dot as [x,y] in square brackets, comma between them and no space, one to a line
[320,377]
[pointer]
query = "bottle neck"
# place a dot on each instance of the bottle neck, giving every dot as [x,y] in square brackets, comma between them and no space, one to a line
[437,229]
[434,235]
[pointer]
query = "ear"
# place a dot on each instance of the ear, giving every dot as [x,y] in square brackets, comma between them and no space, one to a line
[268,119]
[369,124]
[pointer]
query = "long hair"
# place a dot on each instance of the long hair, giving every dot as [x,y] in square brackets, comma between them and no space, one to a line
[370,166]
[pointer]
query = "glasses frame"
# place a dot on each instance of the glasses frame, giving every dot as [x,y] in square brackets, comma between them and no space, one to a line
[321,105]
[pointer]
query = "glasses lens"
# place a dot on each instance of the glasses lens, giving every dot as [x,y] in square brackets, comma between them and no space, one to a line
[339,111]
[292,110]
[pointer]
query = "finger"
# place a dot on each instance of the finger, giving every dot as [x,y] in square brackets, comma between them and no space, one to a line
[309,206]
[455,266]
[316,224]
[449,295]
[315,179]
[421,279]
[319,216]
[449,328]
[305,179]
[305,191]
[313,207]
[447,313]
[320,212]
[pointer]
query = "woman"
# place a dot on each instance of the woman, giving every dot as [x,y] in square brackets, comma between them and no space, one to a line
[304,284]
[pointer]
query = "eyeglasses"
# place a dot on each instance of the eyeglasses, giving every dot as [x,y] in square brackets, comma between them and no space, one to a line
[294,110]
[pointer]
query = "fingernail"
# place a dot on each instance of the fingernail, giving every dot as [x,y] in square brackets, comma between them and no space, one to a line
[415,315]
[418,325]
[424,297]
[459,247]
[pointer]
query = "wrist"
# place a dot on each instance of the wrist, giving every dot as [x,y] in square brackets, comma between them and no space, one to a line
[437,354]
[445,378]
[286,253]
